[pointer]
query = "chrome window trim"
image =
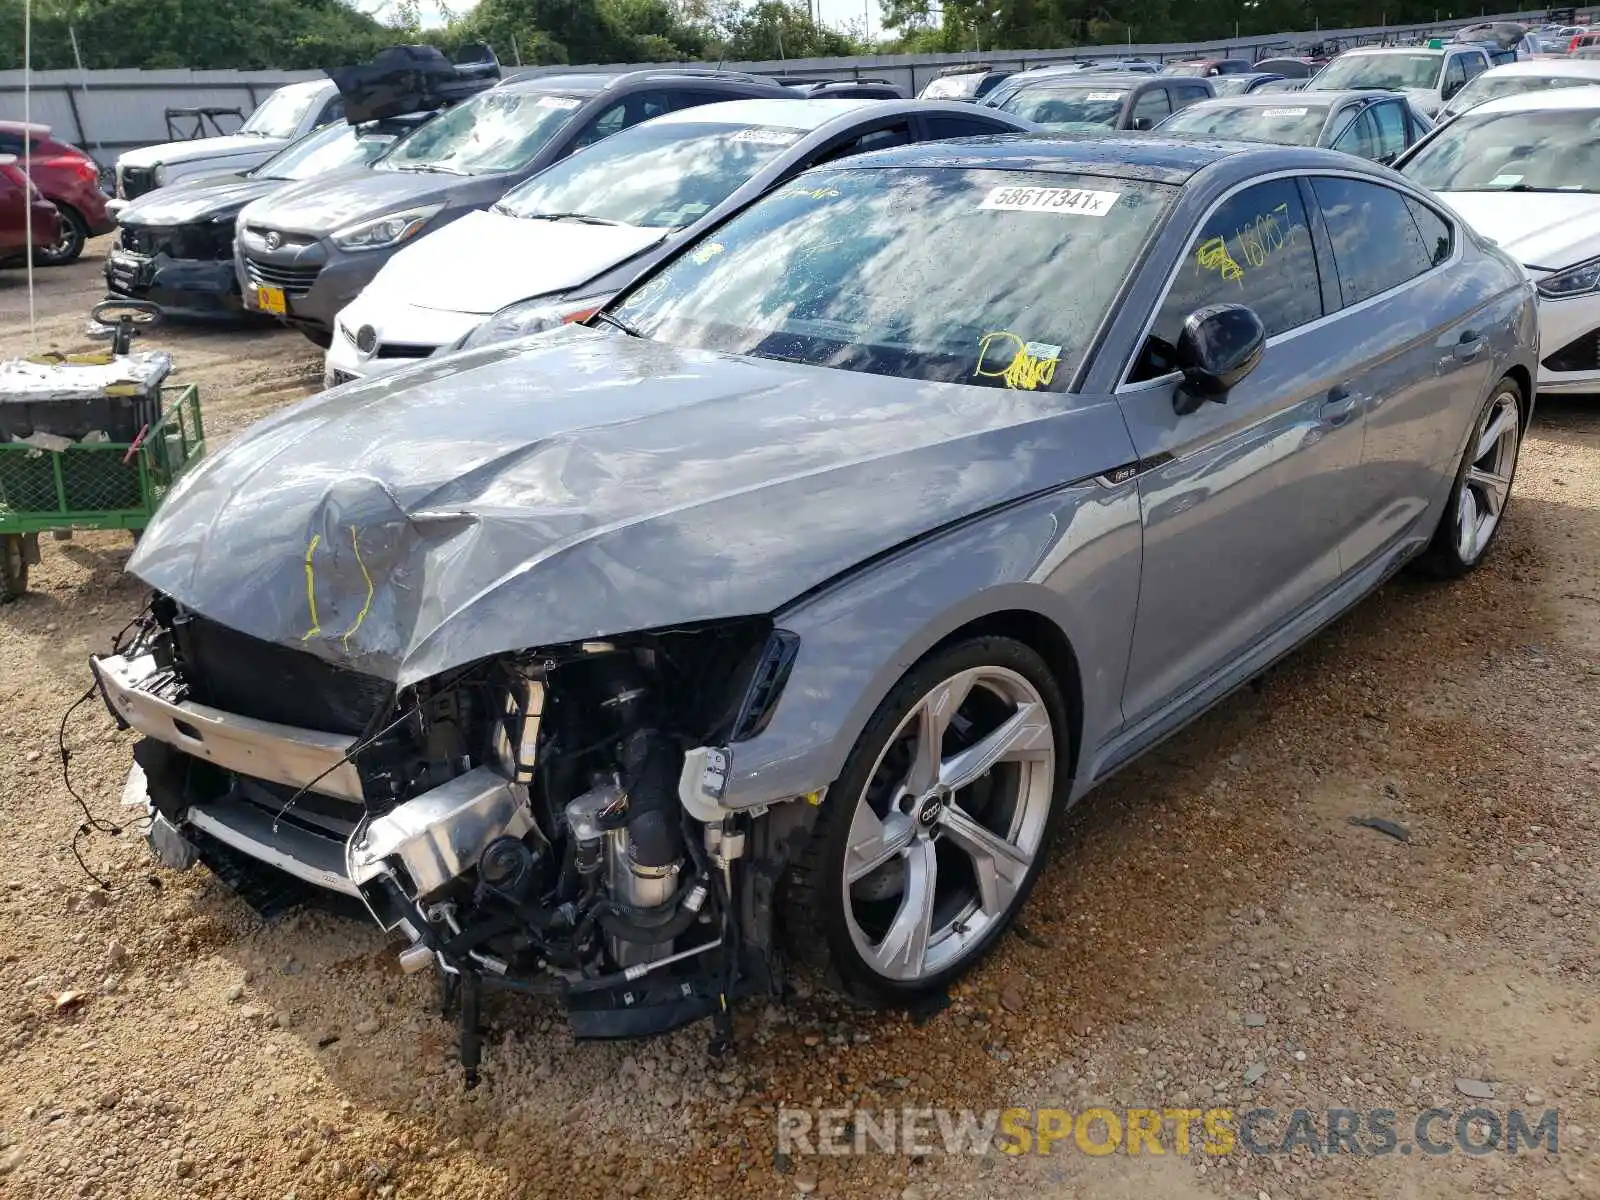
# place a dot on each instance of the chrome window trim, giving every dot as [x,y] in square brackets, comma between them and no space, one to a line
[1125,385]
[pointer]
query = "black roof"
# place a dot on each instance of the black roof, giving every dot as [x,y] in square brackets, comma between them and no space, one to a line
[1155,159]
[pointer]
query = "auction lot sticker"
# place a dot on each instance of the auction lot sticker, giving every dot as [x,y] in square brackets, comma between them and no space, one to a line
[1074,201]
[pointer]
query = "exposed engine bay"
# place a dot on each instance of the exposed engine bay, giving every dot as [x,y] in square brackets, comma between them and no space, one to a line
[524,822]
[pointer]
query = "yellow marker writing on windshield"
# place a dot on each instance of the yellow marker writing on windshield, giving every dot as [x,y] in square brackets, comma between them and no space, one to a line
[1025,371]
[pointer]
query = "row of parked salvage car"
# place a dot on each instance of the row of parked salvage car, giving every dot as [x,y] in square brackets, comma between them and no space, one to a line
[404,230]
[772,603]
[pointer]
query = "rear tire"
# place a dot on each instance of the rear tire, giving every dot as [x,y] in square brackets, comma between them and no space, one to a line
[67,248]
[920,858]
[13,567]
[1476,509]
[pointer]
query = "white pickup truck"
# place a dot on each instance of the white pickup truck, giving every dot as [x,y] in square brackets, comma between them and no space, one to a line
[292,111]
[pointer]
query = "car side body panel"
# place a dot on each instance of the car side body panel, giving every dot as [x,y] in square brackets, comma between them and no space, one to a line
[1070,556]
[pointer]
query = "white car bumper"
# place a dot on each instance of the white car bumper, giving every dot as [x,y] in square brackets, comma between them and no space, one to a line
[1569,337]
[401,335]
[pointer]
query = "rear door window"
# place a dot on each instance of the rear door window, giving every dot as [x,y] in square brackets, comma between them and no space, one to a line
[1390,121]
[1376,242]
[880,138]
[640,106]
[940,127]
[1360,137]
[1437,236]
[1151,107]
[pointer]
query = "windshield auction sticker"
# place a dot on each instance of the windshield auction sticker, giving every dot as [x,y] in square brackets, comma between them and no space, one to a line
[1073,201]
[1284,112]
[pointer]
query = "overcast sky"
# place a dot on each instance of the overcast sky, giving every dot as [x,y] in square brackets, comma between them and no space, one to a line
[834,12]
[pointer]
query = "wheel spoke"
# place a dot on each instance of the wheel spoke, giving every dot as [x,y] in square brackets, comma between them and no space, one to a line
[1504,422]
[932,718]
[1025,734]
[1467,538]
[874,842]
[1494,488]
[1000,866]
[904,947]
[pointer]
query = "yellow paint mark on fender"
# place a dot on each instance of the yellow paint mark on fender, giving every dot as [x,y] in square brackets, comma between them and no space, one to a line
[365,607]
[311,589]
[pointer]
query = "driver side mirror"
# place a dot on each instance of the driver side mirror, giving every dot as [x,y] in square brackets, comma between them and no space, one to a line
[1450,89]
[1220,345]
[1144,122]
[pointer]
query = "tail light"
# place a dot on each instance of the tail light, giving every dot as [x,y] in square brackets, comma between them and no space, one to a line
[84,167]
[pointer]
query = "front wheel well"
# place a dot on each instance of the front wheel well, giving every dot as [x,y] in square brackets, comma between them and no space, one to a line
[1042,635]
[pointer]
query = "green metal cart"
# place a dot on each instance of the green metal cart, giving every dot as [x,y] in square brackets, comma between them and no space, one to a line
[89,441]
[92,485]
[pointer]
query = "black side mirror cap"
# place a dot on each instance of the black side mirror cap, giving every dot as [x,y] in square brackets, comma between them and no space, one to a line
[1220,344]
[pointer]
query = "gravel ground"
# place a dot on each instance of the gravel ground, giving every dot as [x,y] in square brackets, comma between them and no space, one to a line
[1212,932]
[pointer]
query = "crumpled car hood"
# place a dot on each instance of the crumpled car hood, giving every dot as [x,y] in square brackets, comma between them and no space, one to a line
[196,199]
[577,485]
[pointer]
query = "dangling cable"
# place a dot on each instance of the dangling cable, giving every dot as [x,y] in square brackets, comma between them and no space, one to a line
[90,823]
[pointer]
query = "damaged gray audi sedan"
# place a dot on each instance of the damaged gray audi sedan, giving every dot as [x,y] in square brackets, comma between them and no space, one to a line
[780,611]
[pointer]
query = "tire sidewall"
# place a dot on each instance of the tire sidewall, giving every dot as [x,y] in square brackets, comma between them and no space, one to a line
[843,797]
[1505,387]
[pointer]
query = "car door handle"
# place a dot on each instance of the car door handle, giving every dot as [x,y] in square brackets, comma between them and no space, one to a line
[1340,405]
[1470,345]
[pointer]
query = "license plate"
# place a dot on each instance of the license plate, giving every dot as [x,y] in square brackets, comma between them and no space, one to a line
[271,299]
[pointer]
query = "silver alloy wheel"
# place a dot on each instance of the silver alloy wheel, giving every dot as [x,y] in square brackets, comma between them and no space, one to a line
[1487,485]
[971,770]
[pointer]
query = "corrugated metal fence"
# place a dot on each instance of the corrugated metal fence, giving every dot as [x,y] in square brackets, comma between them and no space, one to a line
[107,112]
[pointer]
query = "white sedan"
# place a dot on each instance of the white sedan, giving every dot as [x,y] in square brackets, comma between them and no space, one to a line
[1513,79]
[1525,173]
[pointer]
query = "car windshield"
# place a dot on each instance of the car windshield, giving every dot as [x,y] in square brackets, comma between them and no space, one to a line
[1231,85]
[953,87]
[1397,70]
[1282,124]
[1089,104]
[327,149]
[494,131]
[280,114]
[994,278]
[1188,69]
[1486,88]
[657,174]
[1513,152]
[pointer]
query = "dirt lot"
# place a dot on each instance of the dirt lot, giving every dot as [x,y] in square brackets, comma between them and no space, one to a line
[1214,932]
